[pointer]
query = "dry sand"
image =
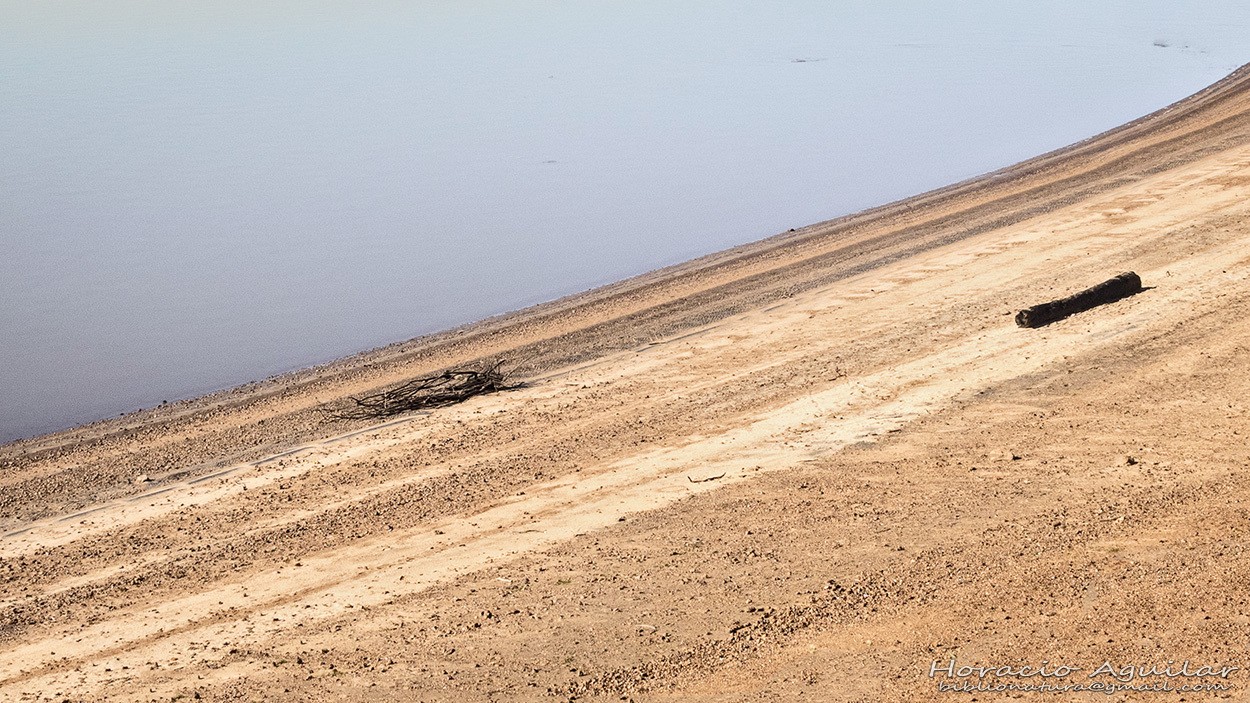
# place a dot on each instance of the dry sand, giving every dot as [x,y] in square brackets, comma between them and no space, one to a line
[805,468]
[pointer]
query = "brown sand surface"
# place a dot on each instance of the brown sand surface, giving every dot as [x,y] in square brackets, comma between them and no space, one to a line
[802,469]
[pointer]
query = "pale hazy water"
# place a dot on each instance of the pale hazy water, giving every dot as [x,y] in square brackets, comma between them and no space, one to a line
[197,195]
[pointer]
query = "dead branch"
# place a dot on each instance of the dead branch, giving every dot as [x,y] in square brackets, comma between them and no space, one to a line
[1109,291]
[438,391]
[704,480]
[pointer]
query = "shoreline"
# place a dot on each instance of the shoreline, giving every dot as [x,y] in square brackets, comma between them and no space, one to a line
[805,468]
[574,303]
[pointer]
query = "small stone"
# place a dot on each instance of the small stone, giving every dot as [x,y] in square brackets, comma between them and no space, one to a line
[143,478]
[1129,460]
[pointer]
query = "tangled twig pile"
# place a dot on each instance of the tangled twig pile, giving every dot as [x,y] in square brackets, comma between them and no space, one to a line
[448,388]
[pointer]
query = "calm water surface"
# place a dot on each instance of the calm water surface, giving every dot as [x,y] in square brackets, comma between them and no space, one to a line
[193,195]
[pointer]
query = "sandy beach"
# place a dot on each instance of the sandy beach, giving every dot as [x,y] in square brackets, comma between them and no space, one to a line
[808,468]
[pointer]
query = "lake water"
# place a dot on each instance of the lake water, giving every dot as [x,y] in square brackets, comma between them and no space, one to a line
[194,195]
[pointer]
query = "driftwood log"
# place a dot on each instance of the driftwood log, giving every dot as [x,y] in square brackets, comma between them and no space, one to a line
[1109,291]
[447,388]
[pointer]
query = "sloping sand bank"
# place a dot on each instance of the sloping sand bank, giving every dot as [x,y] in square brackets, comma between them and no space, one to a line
[807,467]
